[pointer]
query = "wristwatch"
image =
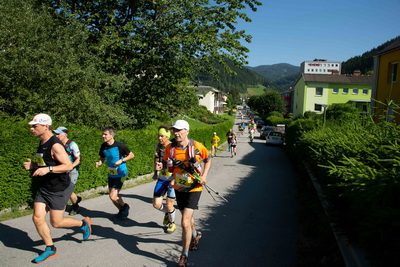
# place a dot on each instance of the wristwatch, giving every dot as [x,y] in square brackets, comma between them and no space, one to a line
[51,168]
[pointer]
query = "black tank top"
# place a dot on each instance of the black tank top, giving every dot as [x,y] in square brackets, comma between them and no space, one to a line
[53,182]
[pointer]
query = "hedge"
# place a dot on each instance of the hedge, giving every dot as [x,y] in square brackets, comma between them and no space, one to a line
[17,186]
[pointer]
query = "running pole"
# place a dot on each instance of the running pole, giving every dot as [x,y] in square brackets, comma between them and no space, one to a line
[217,193]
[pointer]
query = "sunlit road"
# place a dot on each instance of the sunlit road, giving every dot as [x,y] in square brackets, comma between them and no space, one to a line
[257,227]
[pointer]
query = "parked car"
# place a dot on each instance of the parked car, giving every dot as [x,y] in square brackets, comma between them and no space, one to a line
[274,138]
[265,130]
[260,123]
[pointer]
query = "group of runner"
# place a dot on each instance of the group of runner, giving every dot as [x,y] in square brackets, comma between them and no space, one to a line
[181,166]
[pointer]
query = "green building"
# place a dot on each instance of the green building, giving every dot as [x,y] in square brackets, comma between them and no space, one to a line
[314,92]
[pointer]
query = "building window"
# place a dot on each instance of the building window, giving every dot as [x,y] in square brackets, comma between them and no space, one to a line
[365,91]
[393,72]
[318,91]
[345,91]
[335,90]
[317,107]
[355,91]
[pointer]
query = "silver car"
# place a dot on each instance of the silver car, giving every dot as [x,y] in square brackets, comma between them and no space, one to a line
[274,138]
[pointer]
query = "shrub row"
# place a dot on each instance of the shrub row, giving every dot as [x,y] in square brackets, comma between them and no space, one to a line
[358,167]
[18,144]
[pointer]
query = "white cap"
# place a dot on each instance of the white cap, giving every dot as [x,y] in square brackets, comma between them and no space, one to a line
[61,130]
[215,133]
[42,119]
[181,124]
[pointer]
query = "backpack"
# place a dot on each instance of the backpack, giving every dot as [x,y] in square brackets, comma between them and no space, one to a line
[193,164]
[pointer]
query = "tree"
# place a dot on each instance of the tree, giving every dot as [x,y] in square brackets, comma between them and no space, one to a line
[46,66]
[160,45]
[267,103]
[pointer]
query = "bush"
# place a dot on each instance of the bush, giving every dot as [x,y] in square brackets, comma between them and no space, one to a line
[358,168]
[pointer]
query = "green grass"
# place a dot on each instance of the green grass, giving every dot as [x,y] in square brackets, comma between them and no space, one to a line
[259,90]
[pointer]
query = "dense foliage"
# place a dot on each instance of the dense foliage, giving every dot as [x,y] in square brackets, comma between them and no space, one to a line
[268,102]
[125,63]
[357,164]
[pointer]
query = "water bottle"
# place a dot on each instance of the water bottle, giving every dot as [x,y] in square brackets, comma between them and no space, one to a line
[170,165]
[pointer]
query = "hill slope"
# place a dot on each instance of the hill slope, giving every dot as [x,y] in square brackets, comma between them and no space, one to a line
[282,75]
[245,78]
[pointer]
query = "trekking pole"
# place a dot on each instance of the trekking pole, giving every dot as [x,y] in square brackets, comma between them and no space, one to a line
[215,192]
[210,193]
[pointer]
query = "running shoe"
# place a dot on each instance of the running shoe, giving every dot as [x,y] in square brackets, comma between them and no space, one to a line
[125,211]
[47,254]
[171,228]
[183,261]
[75,207]
[194,244]
[166,219]
[86,228]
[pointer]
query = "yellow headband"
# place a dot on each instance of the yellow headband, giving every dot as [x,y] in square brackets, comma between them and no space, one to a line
[164,132]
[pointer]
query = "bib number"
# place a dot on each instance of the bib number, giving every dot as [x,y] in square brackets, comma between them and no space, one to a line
[112,171]
[40,160]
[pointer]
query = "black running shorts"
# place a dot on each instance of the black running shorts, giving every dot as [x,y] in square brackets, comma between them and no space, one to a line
[188,199]
[55,200]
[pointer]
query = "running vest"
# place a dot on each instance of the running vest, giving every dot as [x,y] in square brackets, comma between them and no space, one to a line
[53,182]
[192,152]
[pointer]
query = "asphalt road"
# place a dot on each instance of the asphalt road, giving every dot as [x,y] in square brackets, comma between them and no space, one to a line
[257,227]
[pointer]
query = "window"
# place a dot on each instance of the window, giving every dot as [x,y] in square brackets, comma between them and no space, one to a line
[335,90]
[393,73]
[345,91]
[355,91]
[318,91]
[317,107]
[365,91]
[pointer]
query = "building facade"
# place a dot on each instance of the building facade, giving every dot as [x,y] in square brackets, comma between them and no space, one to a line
[321,66]
[314,92]
[386,86]
[211,98]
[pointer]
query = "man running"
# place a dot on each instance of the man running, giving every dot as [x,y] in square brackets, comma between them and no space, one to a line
[229,136]
[51,169]
[163,185]
[189,178]
[117,154]
[75,156]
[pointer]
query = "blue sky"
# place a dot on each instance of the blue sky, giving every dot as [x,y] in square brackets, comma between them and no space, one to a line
[293,31]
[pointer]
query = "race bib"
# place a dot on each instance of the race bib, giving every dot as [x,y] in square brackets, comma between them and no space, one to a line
[112,171]
[40,160]
[184,179]
[165,173]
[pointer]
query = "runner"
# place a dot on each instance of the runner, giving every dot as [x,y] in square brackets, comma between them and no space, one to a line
[55,187]
[229,136]
[75,156]
[251,135]
[233,146]
[214,144]
[163,185]
[189,178]
[117,154]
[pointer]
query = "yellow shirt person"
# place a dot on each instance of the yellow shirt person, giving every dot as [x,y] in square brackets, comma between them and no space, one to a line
[214,144]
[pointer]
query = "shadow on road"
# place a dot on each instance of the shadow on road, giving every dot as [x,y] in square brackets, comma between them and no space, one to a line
[258,225]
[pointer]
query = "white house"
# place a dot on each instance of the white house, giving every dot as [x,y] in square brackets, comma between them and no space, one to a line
[211,98]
